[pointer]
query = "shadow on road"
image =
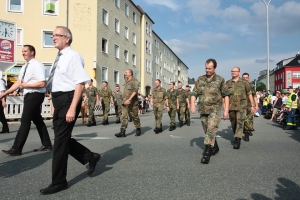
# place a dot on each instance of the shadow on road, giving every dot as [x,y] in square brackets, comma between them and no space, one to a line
[286,189]
[143,130]
[22,164]
[227,134]
[199,142]
[87,135]
[108,159]
[6,140]
[294,134]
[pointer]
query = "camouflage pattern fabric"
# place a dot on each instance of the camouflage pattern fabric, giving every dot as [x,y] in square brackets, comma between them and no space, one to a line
[130,86]
[248,124]
[210,92]
[238,102]
[118,104]
[105,94]
[172,98]
[92,98]
[181,95]
[159,96]
[187,110]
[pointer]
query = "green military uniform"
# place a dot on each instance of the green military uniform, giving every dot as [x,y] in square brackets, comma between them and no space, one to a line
[105,95]
[159,96]
[248,125]
[210,92]
[130,86]
[181,95]
[91,93]
[118,105]
[238,102]
[187,110]
[172,98]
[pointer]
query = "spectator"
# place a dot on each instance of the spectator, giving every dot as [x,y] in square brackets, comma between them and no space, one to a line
[276,105]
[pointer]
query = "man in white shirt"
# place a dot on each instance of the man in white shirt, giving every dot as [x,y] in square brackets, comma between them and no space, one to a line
[66,83]
[3,120]
[32,80]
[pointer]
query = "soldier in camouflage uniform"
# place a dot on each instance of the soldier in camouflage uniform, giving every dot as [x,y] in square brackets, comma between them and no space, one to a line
[182,103]
[172,102]
[211,90]
[187,110]
[130,104]
[93,99]
[248,126]
[239,90]
[118,103]
[107,98]
[158,99]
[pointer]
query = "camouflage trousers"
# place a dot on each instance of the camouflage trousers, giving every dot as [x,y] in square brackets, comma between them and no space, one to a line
[131,111]
[237,119]
[91,106]
[187,114]
[248,125]
[172,115]
[118,111]
[158,112]
[210,123]
[106,109]
[181,113]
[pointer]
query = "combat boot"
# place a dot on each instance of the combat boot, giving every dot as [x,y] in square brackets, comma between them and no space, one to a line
[138,132]
[206,154]
[121,134]
[237,143]
[250,133]
[89,124]
[188,122]
[118,122]
[171,128]
[104,122]
[94,123]
[215,149]
[180,124]
[156,130]
[174,127]
[246,136]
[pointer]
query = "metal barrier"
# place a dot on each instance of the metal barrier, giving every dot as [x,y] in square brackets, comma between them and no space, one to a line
[14,108]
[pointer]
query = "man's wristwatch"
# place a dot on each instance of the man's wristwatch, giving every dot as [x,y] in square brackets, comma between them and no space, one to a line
[129,99]
[252,105]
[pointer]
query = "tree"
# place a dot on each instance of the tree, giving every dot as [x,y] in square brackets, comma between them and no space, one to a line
[261,86]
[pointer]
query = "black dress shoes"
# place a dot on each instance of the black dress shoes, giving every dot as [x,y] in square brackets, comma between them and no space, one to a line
[43,148]
[12,152]
[93,163]
[5,130]
[51,189]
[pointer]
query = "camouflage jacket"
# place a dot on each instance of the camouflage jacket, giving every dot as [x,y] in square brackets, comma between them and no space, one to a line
[239,92]
[189,95]
[131,86]
[210,93]
[91,94]
[181,95]
[253,92]
[159,96]
[105,94]
[172,97]
[118,98]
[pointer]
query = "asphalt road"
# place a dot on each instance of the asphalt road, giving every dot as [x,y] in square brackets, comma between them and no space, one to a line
[163,166]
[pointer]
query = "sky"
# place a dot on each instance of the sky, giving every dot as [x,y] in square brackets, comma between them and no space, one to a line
[231,31]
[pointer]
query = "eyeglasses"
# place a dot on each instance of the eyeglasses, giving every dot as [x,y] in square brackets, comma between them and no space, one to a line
[57,36]
[235,71]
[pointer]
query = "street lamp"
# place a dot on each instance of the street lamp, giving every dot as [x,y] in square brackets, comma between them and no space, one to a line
[268,51]
[255,80]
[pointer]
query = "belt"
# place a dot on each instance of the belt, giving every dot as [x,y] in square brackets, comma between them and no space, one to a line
[56,94]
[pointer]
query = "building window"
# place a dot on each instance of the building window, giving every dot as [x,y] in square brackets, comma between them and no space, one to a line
[117,3]
[104,45]
[156,75]
[126,56]
[148,66]
[50,7]
[20,37]
[134,17]
[104,74]
[117,25]
[126,10]
[117,51]
[116,77]
[148,47]
[126,32]
[15,5]
[104,17]
[296,74]
[47,39]
[134,38]
[133,59]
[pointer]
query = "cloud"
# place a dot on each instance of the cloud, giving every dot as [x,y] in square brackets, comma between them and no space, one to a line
[264,60]
[210,37]
[172,4]
[184,48]
[203,8]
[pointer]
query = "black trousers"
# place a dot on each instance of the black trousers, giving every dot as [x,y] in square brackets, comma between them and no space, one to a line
[32,112]
[2,118]
[63,143]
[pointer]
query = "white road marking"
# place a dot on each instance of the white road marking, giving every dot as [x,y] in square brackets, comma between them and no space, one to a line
[176,137]
[92,138]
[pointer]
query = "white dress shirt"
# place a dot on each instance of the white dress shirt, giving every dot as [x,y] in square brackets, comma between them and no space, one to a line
[35,72]
[2,85]
[69,71]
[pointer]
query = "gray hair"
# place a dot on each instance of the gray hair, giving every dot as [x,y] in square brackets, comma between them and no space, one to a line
[67,33]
